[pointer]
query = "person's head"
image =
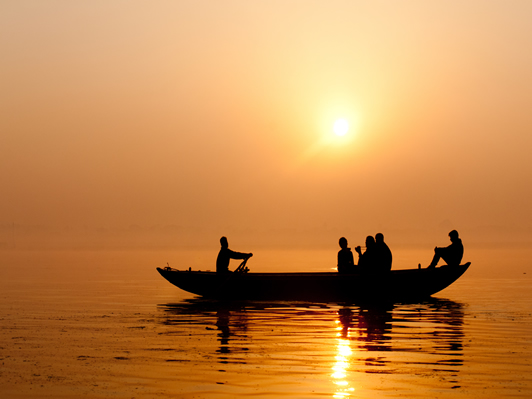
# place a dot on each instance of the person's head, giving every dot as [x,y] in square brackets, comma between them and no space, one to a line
[453,235]
[224,243]
[343,242]
[370,241]
[379,238]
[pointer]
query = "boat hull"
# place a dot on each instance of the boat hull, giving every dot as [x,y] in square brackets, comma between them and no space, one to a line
[397,285]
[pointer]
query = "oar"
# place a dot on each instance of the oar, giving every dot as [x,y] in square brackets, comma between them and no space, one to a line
[241,267]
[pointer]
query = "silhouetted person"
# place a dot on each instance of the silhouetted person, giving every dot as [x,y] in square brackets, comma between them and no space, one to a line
[366,260]
[451,254]
[383,255]
[346,262]
[225,254]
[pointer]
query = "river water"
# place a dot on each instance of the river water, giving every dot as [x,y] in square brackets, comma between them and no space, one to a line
[104,324]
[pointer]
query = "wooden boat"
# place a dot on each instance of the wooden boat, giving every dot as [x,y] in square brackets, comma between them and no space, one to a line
[397,285]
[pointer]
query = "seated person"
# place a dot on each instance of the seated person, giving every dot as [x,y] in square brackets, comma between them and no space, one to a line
[383,255]
[346,262]
[366,260]
[225,254]
[451,254]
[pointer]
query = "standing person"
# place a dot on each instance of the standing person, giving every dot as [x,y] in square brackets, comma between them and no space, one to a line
[346,262]
[366,260]
[383,255]
[225,255]
[452,254]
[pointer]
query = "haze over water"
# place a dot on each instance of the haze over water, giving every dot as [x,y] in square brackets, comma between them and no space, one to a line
[133,134]
[208,119]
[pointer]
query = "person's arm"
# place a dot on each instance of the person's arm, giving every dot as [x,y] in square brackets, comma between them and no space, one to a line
[239,255]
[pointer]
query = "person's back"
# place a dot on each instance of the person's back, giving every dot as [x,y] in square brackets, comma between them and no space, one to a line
[345,257]
[455,251]
[222,261]
[383,255]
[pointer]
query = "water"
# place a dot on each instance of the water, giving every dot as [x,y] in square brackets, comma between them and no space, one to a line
[106,325]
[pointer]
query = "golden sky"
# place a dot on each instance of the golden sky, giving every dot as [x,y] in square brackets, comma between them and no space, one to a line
[218,116]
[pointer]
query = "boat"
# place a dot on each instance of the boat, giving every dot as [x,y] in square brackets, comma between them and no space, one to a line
[396,285]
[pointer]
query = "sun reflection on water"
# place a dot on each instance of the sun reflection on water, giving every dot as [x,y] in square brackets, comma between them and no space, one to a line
[341,366]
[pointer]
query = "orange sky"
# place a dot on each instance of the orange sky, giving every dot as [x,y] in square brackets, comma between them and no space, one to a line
[216,118]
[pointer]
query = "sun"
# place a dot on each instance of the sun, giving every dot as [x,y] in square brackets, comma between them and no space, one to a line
[341,127]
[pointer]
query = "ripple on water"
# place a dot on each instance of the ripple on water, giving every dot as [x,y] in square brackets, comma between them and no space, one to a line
[397,350]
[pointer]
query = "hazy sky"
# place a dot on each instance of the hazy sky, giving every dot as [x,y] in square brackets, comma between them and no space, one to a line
[218,115]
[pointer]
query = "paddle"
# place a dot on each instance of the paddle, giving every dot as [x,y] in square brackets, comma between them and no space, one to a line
[242,267]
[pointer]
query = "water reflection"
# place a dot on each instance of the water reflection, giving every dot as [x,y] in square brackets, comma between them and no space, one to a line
[420,338]
[230,323]
[423,339]
[435,328]
[340,368]
[369,325]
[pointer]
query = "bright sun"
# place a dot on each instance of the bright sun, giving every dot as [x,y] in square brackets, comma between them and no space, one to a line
[341,126]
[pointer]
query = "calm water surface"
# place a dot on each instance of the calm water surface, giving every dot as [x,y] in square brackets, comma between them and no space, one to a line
[105,324]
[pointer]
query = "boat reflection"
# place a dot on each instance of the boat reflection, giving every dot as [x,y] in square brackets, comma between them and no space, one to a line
[421,339]
[228,329]
[435,326]
[230,323]
[424,339]
[371,324]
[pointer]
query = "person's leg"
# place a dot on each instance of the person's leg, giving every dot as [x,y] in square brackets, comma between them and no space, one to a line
[448,258]
[435,259]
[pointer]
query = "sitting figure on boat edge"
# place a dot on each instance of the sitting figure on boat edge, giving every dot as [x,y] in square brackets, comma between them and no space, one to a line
[366,260]
[383,255]
[225,255]
[452,254]
[346,263]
